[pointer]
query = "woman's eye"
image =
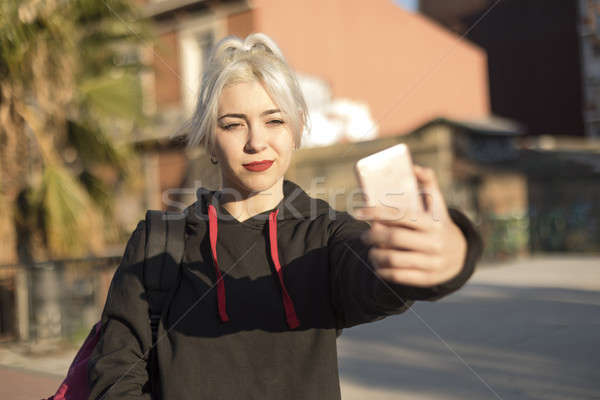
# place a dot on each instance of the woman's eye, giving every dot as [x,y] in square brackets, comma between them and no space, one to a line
[230,126]
[276,122]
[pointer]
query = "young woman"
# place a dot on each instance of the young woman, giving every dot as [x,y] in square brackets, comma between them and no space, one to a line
[269,273]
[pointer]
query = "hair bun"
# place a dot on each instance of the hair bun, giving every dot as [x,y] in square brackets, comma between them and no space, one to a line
[263,42]
[232,47]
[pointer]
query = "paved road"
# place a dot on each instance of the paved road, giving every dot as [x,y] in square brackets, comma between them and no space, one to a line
[525,330]
[21,384]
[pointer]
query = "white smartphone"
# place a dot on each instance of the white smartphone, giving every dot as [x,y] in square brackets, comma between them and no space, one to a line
[387,178]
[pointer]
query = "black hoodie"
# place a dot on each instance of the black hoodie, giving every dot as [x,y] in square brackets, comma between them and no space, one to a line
[291,276]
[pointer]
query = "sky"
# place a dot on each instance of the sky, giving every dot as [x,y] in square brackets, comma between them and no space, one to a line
[411,5]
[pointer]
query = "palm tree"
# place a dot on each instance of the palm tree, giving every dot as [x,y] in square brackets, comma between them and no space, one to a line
[67,88]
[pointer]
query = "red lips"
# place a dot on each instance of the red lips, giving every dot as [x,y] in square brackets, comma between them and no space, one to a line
[258,166]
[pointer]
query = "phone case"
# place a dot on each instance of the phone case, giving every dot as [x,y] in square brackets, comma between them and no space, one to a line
[387,178]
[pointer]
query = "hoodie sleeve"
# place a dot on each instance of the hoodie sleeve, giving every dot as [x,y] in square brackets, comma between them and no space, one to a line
[118,368]
[360,296]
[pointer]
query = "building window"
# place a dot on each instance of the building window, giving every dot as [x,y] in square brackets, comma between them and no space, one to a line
[195,46]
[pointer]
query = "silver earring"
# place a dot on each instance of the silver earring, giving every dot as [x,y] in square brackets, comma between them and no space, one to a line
[214,160]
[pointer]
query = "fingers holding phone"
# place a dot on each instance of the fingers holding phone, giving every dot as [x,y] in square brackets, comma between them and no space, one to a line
[414,240]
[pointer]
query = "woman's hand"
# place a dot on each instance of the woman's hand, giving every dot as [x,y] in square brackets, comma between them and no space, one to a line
[418,248]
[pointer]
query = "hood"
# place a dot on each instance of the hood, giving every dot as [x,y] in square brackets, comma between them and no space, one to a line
[296,204]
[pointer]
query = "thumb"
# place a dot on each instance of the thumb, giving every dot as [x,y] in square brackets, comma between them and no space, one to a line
[430,191]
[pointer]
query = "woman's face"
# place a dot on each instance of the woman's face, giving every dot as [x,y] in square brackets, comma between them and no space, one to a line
[250,128]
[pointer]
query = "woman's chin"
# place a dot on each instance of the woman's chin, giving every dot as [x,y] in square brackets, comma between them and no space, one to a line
[257,182]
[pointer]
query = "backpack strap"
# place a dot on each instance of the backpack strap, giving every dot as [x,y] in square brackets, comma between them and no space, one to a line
[163,254]
[165,242]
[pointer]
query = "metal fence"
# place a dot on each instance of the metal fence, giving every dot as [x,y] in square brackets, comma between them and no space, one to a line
[58,299]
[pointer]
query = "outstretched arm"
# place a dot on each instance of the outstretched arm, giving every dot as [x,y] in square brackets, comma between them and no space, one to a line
[427,265]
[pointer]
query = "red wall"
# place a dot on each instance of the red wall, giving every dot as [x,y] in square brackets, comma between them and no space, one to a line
[407,68]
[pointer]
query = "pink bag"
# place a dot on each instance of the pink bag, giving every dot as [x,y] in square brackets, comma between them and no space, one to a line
[75,385]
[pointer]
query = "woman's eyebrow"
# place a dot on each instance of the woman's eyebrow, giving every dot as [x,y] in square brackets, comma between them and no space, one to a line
[276,110]
[267,112]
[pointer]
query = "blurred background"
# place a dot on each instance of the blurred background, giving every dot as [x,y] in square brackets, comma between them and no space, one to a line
[500,98]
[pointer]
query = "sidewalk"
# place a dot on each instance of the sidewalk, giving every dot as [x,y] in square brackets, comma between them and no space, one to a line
[20,384]
[50,361]
[28,373]
[522,330]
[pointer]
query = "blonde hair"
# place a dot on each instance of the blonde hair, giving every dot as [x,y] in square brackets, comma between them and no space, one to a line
[233,60]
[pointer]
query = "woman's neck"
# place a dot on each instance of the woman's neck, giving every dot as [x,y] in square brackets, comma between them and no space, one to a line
[243,206]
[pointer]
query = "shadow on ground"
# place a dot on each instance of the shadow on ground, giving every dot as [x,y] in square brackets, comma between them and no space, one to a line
[484,342]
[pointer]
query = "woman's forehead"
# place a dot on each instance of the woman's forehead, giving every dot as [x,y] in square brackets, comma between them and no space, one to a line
[245,98]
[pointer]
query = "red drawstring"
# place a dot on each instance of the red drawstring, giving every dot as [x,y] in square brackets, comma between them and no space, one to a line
[212,226]
[290,312]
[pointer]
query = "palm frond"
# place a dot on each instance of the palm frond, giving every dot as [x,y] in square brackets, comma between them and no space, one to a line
[115,96]
[68,82]
[98,191]
[68,214]
[93,146]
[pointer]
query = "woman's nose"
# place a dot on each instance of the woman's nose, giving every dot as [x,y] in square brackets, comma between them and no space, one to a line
[256,141]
